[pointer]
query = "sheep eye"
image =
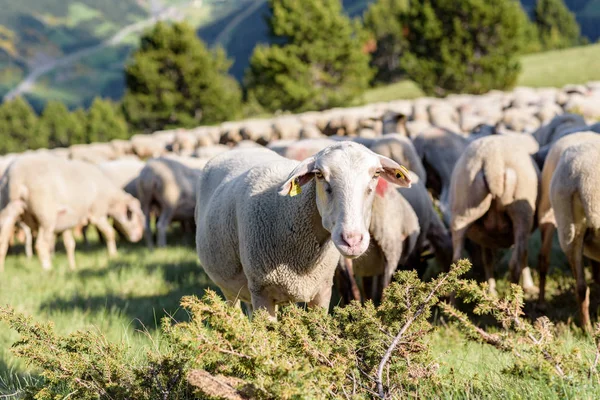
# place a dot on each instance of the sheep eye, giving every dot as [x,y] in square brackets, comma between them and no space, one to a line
[318,174]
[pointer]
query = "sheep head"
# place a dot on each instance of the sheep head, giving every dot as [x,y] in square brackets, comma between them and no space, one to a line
[346,175]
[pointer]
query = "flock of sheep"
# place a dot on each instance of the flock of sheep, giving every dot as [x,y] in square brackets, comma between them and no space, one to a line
[284,207]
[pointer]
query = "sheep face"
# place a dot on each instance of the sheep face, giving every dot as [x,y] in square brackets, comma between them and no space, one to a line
[346,175]
[129,218]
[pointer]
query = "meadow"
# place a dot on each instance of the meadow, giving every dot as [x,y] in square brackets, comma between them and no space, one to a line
[125,298]
[557,68]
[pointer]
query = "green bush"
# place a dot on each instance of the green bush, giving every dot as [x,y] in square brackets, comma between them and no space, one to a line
[468,46]
[173,80]
[556,25]
[18,124]
[358,351]
[318,60]
[105,122]
[384,19]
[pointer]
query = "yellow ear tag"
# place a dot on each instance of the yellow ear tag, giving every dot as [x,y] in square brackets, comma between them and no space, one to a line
[402,172]
[295,188]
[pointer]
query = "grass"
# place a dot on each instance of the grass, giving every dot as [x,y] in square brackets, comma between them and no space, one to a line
[126,297]
[549,69]
[560,67]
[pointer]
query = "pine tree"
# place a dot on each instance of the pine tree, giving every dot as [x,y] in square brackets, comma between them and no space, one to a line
[557,26]
[57,125]
[79,132]
[318,60]
[468,46]
[104,123]
[175,81]
[384,20]
[18,127]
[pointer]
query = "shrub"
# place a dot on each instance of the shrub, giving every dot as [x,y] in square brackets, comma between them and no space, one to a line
[318,60]
[469,46]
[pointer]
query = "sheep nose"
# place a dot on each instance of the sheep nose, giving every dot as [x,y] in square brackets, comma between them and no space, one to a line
[352,238]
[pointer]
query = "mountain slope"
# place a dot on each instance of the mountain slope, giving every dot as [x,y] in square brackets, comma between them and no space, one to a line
[65,41]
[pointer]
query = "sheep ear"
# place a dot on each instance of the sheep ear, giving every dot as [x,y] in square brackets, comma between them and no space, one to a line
[300,176]
[394,172]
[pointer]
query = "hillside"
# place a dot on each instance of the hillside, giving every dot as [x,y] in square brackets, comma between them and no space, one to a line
[75,50]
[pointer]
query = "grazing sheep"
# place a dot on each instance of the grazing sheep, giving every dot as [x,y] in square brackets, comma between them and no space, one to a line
[494,191]
[147,146]
[184,143]
[545,212]
[59,194]
[124,173]
[575,199]
[168,184]
[439,149]
[432,229]
[94,153]
[261,246]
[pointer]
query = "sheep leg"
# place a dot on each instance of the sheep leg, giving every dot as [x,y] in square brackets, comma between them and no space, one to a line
[162,225]
[488,266]
[347,283]
[322,298]
[43,246]
[8,218]
[458,242]
[109,234]
[522,223]
[147,229]
[28,239]
[595,271]
[546,231]
[574,253]
[69,242]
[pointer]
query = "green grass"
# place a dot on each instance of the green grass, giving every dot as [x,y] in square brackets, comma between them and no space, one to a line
[549,69]
[126,297]
[560,67]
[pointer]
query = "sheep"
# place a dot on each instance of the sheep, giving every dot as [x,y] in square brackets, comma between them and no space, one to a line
[124,173]
[121,147]
[402,222]
[432,229]
[94,152]
[169,184]
[147,146]
[58,194]
[394,231]
[555,129]
[258,130]
[545,213]
[210,151]
[260,246]
[184,143]
[439,149]
[574,199]
[495,184]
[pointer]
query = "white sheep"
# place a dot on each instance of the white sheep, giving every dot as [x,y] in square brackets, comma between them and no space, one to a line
[168,184]
[493,197]
[269,230]
[59,194]
[575,198]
